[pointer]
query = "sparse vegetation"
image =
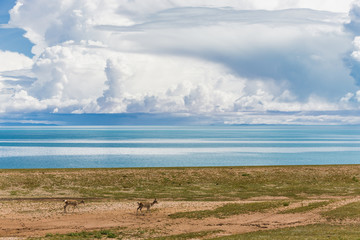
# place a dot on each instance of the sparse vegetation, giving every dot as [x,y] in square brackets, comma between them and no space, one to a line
[309,232]
[118,233]
[122,233]
[349,211]
[218,183]
[102,234]
[193,235]
[308,207]
[228,210]
[273,191]
[355,179]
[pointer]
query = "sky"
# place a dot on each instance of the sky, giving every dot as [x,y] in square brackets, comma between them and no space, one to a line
[228,61]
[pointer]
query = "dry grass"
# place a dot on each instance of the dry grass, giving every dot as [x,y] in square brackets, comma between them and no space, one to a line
[222,183]
[280,185]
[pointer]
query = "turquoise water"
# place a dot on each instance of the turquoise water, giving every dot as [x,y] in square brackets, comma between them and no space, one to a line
[147,146]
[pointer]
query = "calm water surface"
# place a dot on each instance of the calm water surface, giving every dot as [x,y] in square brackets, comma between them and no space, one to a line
[148,146]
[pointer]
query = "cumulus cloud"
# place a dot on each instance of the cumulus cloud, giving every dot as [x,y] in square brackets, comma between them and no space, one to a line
[216,57]
[22,102]
[353,61]
[68,71]
[287,46]
[112,99]
[10,61]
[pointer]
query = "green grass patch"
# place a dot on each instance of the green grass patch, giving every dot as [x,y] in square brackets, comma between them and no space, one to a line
[123,233]
[193,235]
[308,207]
[228,210]
[118,233]
[102,234]
[349,211]
[193,184]
[309,232]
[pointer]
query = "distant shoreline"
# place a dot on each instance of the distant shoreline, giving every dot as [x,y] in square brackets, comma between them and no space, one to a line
[185,167]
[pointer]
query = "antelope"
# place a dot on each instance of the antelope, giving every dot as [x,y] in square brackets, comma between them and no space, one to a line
[74,203]
[148,205]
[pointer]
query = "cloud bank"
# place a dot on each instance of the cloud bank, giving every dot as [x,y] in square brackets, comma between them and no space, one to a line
[238,61]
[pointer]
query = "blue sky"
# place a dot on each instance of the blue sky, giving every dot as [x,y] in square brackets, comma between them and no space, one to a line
[5,6]
[228,61]
[11,39]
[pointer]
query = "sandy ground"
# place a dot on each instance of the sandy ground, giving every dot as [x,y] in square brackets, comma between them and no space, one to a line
[25,218]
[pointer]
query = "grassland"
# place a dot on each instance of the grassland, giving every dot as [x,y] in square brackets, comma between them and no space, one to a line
[330,193]
[183,183]
[310,232]
[123,234]
[346,212]
[229,210]
[307,208]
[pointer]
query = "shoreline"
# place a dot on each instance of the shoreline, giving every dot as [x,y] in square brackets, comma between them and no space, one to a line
[180,167]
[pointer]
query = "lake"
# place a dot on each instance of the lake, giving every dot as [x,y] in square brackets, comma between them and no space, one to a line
[176,146]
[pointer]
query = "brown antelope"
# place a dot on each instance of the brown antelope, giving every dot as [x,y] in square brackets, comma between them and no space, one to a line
[73,203]
[148,205]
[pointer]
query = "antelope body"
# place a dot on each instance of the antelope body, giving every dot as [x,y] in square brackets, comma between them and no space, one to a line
[147,205]
[73,203]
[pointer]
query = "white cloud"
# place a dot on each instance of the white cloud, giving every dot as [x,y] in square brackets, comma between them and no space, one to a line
[173,56]
[350,101]
[22,102]
[353,61]
[145,7]
[288,45]
[10,61]
[294,119]
[69,71]
[112,98]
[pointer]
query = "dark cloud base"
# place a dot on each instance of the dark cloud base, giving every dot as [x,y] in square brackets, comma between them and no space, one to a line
[345,117]
[122,119]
